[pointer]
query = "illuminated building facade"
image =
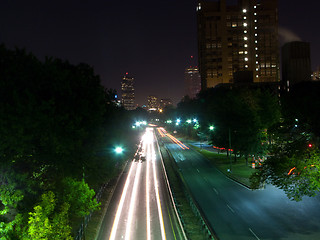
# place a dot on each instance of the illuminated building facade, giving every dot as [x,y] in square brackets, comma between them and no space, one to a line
[153,104]
[127,92]
[192,81]
[164,102]
[238,38]
[296,63]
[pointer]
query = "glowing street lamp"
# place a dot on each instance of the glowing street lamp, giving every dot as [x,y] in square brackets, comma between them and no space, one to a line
[118,150]
[195,120]
[189,121]
[211,128]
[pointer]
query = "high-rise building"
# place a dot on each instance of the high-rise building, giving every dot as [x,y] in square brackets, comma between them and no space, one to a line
[296,63]
[237,40]
[127,92]
[164,102]
[153,104]
[192,81]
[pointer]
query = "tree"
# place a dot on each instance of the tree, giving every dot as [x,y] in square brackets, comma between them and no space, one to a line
[44,224]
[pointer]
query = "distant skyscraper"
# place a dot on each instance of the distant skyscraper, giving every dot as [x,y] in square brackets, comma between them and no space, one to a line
[165,102]
[153,104]
[192,81]
[296,63]
[127,90]
[234,40]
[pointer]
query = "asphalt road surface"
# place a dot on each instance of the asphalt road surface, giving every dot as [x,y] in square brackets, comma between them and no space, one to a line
[140,207]
[237,213]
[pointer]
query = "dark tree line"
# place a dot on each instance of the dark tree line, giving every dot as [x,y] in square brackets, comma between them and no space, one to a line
[57,127]
[257,122]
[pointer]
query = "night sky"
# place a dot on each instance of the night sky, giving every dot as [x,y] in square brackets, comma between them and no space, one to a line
[151,40]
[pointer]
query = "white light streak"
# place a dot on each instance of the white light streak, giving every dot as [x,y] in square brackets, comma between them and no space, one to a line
[120,206]
[132,202]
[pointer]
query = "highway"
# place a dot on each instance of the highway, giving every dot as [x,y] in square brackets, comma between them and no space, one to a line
[140,207]
[237,213]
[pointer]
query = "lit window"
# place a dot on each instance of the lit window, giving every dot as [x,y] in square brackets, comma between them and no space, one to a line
[246,59]
[255,13]
[256,34]
[256,28]
[245,52]
[257,62]
[244,17]
[256,41]
[257,55]
[246,66]
[255,7]
[245,24]
[256,20]
[257,76]
[256,48]
[246,45]
[245,38]
[234,24]
[245,31]
[244,10]
[257,69]
[241,52]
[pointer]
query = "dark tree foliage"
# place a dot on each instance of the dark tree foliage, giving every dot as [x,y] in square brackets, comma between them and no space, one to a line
[56,122]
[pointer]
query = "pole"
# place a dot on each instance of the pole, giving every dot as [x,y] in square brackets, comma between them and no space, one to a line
[230,150]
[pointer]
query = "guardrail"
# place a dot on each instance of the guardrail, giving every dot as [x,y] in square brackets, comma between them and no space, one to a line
[171,194]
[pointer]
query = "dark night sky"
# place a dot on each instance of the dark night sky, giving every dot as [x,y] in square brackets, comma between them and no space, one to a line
[152,40]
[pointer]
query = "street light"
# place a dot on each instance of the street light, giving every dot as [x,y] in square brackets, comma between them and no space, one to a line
[118,150]
[189,121]
[211,128]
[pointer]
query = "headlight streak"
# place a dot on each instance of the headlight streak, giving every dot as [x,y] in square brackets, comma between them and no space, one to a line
[120,206]
[156,188]
[177,141]
[147,195]
[132,202]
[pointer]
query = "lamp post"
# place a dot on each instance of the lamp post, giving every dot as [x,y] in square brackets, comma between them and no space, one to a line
[230,150]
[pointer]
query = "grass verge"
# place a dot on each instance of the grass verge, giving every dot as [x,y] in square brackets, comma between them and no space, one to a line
[240,171]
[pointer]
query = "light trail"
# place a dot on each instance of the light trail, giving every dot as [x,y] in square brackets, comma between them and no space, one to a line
[133,201]
[156,188]
[148,198]
[120,206]
[177,141]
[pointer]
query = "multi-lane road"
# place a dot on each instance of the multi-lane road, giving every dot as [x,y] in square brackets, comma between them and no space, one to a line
[238,213]
[141,207]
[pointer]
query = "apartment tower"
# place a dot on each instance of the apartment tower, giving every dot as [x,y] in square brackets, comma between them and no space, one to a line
[238,40]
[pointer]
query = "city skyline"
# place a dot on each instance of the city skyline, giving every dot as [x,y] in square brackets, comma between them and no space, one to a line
[151,42]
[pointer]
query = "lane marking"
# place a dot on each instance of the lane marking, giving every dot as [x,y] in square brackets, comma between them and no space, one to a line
[215,191]
[230,208]
[254,234]
[174,234]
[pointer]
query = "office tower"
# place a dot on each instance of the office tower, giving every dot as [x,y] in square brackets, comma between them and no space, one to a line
[153,104]
[164,102]
[192,81]
[296,63]
[127,92]
[237,40]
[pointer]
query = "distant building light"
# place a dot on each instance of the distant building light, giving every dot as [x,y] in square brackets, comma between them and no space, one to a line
[245,38]
[245,24]
[244,10]
[246,59]
[246,45]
